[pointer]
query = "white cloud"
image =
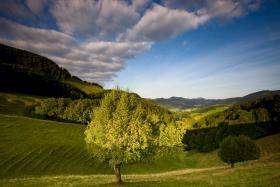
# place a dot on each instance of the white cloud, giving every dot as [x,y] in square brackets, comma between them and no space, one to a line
[161,23]
[102,18]
[115,31]
[94,61]
[117,49]
[36,6]
[228,9]
[139,4]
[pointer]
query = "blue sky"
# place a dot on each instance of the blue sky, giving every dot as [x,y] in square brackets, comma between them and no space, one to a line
[187,48]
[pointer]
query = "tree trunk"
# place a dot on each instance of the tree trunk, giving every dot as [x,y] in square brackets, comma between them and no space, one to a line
[117,168]
[231,165]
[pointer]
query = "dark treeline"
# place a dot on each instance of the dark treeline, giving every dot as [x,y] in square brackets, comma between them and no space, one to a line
[254,119]
[26,72]
[14,80]
[208,139]
[31,63]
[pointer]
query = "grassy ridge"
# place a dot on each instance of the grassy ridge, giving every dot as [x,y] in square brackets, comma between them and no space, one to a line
[15,103]
[85,87]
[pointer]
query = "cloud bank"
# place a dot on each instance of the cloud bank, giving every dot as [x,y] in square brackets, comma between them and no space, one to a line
[94,39]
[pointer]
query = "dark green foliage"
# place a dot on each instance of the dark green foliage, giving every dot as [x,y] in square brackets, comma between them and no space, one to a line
[259,111]
[26,72]
[208,139]
[235,149]
[64,109]
[80,111]
[31,63]
[254,119]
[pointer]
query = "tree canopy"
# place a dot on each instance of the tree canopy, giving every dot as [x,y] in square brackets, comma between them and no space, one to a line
[235,149]
[126,129]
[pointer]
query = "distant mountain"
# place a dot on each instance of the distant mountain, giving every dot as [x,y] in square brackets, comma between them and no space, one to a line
[185,103]
[26,72]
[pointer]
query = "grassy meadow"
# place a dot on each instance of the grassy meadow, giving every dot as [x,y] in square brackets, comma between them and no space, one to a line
[54,154]
[37,152]
[190,116]
[85,87]
[16,103]
[40,147]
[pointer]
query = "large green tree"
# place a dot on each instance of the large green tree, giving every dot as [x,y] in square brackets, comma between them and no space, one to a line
[240,148]
[127,128]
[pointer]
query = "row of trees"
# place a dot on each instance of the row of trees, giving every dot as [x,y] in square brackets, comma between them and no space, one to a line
[65,109]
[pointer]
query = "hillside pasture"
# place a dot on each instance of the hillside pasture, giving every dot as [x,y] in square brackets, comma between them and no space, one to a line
[85,87]
[17,104]
[40,147]
[263,172]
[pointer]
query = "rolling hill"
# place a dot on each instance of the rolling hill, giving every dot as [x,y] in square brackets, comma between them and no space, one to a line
[46,153]
[25,72]
[185,103]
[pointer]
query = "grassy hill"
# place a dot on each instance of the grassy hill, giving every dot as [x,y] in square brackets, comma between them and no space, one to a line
[45,153]
[16,103]
[25,72]
[88,88]
[40,147]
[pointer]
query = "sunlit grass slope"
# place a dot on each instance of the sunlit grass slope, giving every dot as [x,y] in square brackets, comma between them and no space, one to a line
[15,103]
[199,113]
[262,172]
[35,147]
[40,147]
[85,87]
[269,145]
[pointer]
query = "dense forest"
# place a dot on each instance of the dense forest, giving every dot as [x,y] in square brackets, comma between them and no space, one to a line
[26,72]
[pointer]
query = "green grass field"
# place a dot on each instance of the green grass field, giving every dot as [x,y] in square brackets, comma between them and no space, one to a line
[45,153]
[199,113]
[15,103]
[85,87]
[37,152]
[195,114]
[40,147]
